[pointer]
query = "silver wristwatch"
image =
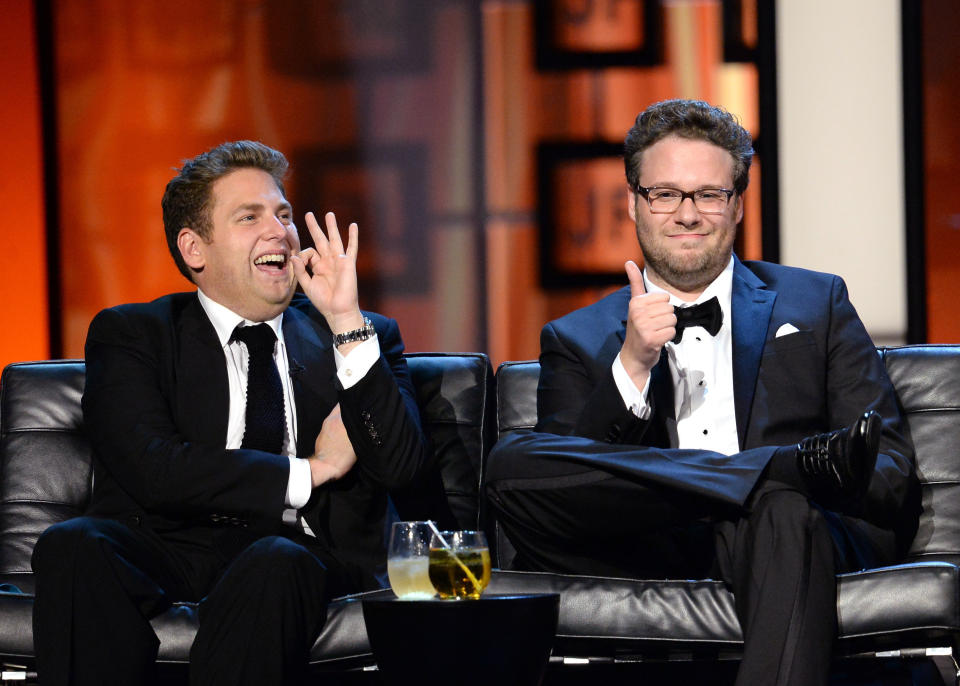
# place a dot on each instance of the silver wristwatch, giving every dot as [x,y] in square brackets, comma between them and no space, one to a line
[363,333]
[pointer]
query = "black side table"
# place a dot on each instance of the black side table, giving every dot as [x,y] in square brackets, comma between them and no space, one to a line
[493,641]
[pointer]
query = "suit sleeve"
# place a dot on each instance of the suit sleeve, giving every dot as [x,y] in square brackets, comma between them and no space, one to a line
[381,416]
[127,408]
[578,396]
[857,382]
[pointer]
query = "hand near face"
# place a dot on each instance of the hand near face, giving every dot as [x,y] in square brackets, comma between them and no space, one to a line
[650,324]
[333,452]
[328,274]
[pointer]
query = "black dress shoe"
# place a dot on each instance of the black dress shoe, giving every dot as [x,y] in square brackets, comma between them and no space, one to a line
[838,465]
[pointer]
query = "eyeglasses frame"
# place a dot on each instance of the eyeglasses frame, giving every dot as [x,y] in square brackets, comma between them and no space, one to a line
[644,192]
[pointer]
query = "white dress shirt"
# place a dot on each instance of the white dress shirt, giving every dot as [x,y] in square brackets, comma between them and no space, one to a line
[701,367]
[350,370]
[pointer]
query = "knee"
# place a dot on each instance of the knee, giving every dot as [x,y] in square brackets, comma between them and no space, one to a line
[526,457]
[275,559]
[502,459]
[62,542]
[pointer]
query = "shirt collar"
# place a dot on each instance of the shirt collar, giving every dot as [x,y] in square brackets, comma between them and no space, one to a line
[225,320]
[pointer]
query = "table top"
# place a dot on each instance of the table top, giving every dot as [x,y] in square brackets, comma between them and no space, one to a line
[486,598]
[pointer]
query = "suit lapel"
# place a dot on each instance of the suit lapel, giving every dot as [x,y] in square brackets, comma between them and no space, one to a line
[203,393]
[751,307]
[312,375]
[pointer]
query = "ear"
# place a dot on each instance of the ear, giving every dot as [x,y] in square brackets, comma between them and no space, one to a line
[739,209]
[632,204]
[191,248]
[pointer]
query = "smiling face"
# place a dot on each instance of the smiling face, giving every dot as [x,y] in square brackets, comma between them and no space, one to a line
[685,250]
[245,264]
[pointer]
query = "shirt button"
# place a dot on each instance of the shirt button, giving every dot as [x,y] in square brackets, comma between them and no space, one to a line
[705,432]
[348,372]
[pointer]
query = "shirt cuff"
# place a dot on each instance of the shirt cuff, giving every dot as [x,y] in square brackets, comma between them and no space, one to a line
[354,365]
[635,399]
[299,484]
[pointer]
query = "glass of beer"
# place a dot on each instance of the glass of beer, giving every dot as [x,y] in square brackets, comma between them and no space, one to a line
[408,560]
[459,564]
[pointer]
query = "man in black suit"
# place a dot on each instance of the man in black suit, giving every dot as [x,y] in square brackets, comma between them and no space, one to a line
[714,418]
[244,441]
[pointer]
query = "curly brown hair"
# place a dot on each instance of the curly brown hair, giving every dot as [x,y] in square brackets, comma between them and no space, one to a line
[692,119]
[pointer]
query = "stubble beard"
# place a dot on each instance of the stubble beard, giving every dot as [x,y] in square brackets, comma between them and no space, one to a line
[687,271]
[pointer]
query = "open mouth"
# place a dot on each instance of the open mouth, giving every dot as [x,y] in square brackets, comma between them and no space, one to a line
[275,262]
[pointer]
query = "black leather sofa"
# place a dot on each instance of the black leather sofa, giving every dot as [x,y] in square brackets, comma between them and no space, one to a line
[908,612]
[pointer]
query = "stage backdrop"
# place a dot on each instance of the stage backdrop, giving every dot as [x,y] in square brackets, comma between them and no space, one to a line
[477,144]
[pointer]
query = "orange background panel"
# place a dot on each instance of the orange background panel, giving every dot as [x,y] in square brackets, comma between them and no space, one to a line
[525,107]
[141,86]
[594,232]
[604,26]
[941,60]
[23,280]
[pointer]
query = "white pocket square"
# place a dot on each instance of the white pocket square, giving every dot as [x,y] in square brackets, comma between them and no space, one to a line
[785,330]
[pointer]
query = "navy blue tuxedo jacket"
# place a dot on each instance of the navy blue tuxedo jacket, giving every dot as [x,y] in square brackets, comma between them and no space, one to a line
[156,403]
[819,378]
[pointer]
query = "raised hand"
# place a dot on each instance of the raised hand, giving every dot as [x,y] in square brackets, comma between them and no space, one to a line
[650,324]
[328,274]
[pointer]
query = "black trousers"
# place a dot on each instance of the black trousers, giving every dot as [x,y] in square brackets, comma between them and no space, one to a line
[100,581]
[778,551]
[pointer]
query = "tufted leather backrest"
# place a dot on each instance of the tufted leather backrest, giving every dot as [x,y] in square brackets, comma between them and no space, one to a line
[454,392]
[517,396]
[516,409]
[927,382]
[46,471]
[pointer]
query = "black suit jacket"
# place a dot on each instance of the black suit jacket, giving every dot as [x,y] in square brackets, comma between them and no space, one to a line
[821,377]
[156,404]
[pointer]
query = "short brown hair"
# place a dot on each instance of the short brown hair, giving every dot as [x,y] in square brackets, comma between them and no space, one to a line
[692,119]
[186,201]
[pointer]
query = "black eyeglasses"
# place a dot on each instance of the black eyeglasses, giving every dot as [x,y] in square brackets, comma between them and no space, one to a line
[664,200]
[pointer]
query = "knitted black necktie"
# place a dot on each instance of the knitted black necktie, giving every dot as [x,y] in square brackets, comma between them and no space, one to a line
[265,422]
[708,315]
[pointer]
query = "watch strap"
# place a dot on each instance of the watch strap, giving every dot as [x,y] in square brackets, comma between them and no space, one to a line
[363,333]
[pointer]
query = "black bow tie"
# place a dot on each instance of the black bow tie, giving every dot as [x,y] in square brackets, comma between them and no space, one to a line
[708,315]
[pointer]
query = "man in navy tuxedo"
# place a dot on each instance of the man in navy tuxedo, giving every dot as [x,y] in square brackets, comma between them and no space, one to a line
[713,418]
[244,442]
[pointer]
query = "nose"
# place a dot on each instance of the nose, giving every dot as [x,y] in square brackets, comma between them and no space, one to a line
[276,228]
[687,214]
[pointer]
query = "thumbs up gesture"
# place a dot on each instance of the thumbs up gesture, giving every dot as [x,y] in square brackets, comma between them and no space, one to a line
[650,324]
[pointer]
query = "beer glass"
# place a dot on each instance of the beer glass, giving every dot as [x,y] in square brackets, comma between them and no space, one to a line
[408,560]
[459,564]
